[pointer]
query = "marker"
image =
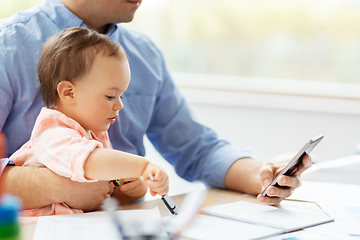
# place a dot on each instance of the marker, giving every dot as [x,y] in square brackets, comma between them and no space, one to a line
[167,200]
[119,183]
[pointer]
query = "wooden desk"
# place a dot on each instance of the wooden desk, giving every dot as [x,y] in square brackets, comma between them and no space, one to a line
[215,197]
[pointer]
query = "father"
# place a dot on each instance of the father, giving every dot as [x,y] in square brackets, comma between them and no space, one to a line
[153,106]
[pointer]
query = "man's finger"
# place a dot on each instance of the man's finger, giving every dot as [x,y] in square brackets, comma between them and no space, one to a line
[267,173]
[279,192]
[306,164]
[269,200]
[289,181]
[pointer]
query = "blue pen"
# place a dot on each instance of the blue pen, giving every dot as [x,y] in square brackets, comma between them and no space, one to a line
[167,200]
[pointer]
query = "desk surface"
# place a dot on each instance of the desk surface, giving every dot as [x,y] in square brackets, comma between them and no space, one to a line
[310,190]
[215,197]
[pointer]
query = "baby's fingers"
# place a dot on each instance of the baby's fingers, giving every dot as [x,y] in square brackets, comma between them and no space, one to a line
[160,186]
[157,187]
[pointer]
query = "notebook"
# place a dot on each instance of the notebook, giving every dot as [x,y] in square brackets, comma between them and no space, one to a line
[245,220]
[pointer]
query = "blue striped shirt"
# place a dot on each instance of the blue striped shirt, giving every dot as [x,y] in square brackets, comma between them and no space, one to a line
[153,105]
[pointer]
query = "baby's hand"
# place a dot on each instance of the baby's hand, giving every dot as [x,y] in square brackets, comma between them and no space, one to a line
[131,190]
[133,187]
[160,182]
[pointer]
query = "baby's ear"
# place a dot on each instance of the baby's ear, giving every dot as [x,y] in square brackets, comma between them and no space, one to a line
[66,92]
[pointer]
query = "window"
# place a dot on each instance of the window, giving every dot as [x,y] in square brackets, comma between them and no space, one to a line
[9,7]
[307,40]
[314,40]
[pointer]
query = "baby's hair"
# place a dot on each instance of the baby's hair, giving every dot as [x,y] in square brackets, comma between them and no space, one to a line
[69,55]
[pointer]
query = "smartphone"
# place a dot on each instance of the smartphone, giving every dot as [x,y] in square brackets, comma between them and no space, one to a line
[296,161]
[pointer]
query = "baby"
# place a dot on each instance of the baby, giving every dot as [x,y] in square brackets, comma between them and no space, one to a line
[83,76]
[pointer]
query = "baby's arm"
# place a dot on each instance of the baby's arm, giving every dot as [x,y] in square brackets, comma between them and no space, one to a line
[108,164]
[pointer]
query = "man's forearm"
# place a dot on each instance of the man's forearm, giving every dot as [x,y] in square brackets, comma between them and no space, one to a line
[244,176]
[28,184]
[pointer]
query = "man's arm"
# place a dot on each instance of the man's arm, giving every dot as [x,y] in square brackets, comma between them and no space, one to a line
[243,176]
[3,146]
[38,187]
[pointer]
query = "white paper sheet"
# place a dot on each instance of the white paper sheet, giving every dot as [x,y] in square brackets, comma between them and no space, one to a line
[95,226]
[210,228]
[347,216]
[340,201]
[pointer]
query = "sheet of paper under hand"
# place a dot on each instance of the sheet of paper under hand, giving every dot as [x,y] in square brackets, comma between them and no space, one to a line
[96,225]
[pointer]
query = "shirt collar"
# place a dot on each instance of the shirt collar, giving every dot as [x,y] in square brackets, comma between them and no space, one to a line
[60,15]
[64,18]
[111,28]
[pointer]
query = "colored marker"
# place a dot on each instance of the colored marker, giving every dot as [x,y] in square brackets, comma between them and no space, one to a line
[117,182]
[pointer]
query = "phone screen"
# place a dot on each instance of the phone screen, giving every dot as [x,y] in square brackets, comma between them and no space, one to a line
[296,161]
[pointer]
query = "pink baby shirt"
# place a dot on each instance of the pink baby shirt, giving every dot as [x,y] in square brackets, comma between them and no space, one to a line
[62,145]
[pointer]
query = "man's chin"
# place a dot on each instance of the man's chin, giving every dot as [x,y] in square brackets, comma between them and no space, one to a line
[127,17]
[127,20]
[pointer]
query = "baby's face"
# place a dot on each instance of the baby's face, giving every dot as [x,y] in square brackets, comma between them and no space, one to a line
[99,93]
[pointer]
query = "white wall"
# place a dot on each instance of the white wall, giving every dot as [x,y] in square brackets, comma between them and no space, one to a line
[272,116]
[270,132]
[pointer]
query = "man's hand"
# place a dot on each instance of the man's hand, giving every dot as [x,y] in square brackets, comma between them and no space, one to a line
[2,145]
[269,171]
[2,154]
[38,187]
[85,196]
[248,176]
